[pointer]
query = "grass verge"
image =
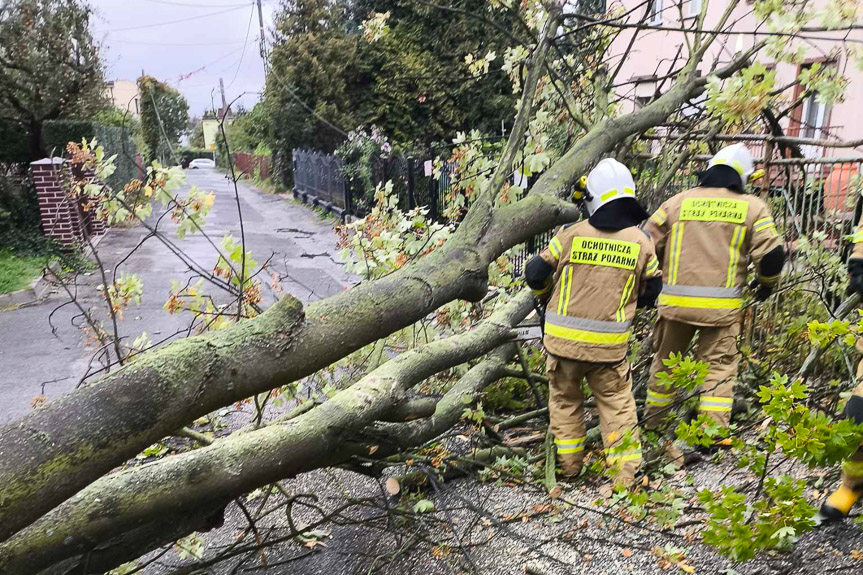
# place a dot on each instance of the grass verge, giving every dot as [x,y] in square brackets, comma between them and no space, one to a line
[18,272]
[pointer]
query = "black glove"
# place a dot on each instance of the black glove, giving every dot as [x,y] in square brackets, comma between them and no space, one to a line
[762,292]
[855,274]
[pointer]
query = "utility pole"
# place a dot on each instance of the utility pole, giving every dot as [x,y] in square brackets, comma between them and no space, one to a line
[263,37]
[224,100]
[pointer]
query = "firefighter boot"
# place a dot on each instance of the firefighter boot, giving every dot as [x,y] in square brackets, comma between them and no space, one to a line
[839,503]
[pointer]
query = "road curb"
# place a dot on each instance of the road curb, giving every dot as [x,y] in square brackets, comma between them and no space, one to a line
[32,295]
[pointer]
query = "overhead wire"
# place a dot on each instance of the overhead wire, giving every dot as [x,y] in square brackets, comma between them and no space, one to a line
[245,45]
[192,5]
[170,22]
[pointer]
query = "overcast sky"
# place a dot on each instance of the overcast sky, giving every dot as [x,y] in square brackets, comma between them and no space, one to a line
[189,44]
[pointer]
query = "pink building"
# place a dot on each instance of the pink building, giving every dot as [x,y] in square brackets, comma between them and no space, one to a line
[663,48]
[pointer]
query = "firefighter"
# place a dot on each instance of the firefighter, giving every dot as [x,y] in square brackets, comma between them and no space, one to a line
[705,238]
[590,276]
[839,503]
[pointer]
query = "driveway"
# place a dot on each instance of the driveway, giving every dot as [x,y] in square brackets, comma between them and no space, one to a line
[36,359]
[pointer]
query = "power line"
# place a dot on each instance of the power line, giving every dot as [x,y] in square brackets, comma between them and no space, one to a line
[227,43]
[245,44]
[190,5]
[174,21]
[204,67]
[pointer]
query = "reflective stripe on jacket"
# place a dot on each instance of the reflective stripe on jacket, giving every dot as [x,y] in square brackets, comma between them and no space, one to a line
[706,238]
[596,284]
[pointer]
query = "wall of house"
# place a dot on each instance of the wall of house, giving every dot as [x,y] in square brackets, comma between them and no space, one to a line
[656,53]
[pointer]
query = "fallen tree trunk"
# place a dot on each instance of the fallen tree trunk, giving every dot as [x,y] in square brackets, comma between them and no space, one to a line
[208,477]
[49,455]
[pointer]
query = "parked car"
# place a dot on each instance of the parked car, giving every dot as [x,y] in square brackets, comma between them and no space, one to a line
[201,163]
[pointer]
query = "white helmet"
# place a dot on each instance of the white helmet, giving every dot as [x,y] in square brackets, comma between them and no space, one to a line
[736,156]
[608,181]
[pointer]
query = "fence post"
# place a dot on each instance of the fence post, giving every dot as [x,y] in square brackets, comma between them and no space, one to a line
[432,195]
[412,203]
[349,208]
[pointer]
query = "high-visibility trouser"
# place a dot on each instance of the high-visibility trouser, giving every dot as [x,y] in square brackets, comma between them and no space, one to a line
[852,468]
[611,386]
[717,346]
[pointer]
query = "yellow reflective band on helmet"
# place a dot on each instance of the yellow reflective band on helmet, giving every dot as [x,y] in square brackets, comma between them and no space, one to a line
[659,399]
[738,167]
[628,192]
[659,217]
[714,210]
[853,469]
[700,302]
[605,252]
[676,241]
[709,403]
[734,255]
[756,175]
[652,265]
[608,194]
[569,445]
[620,314]
[586,336]
[555,248]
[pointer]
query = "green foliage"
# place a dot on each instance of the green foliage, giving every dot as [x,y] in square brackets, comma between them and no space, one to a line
[407,75]
[360,153]
[741,98]
[507,394]
[474,415]
[17,272]
[423,506]
[164,117]
[739,530]
[812,437]
[19,216]
[42,78]
[703,431]
[683,373]
[388,238]
[251,131]
[115,140]
[13,144]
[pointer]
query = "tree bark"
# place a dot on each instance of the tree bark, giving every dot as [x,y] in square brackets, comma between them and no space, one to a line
[205,478]
[54,452]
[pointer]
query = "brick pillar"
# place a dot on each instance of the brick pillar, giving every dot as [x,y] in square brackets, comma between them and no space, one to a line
[61,216]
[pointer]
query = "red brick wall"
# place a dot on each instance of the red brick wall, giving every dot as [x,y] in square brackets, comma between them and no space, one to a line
[245,163]
[62,216]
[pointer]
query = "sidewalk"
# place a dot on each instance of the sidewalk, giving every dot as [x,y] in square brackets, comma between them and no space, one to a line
[300,242]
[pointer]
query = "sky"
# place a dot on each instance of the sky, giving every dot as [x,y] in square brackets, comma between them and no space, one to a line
[189,44]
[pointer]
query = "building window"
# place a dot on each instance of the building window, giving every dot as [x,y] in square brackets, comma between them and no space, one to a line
[641,101]
[812,117]
[655,12]
[694,7]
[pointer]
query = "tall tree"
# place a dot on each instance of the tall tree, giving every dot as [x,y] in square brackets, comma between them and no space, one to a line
[50,66]
[164,117]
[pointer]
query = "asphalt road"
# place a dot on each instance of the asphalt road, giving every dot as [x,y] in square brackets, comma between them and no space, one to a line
[41,356]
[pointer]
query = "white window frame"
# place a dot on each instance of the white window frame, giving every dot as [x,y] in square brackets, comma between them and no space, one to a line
[655,17]
[695,8]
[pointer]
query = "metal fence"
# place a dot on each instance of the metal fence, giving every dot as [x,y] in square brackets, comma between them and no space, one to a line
[806,195]
[318,180]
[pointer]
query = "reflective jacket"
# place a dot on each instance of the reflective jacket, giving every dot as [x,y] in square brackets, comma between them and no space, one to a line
[706,238]
[594,290]
[857,240]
